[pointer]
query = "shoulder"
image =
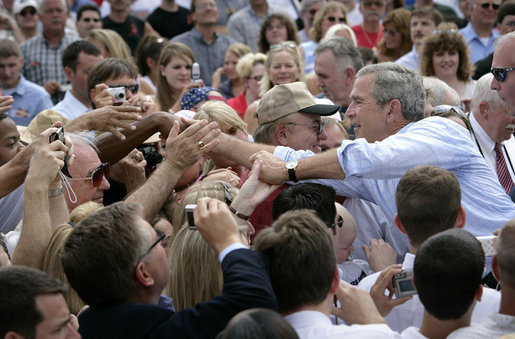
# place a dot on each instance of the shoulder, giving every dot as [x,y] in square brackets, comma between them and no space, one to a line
[183,37]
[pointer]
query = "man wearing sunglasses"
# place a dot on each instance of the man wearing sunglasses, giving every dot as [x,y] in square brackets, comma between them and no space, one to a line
[503,65]
[88,18]
[479,32]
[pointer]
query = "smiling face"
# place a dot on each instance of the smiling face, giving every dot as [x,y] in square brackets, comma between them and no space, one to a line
[331,19]
[484,16]
[445,63]
[499,123]
[302,135]
[206,12]
[283,69]
[368,118]
[10,143]
[177,72]
[230,62]
[276,32]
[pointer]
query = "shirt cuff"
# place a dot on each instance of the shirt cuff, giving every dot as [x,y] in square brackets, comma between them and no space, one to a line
[229,249]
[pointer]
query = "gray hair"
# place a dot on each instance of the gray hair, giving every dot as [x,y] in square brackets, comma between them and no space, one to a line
[440,91]
[483,93]
[83,138]
[345,53]
[394,81]
[42,5]
[265,133]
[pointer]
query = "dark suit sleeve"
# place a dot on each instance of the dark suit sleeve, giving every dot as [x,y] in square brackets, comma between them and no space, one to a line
[246,285]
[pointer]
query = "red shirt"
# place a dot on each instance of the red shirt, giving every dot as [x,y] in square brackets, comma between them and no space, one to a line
[368,39]
[239,104]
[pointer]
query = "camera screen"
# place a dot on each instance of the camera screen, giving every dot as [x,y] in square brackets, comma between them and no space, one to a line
[406,285]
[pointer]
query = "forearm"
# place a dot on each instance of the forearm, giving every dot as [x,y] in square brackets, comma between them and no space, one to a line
[112,149]
[239,150]
[156,189]
[322,166]
[36,230]
[12,174]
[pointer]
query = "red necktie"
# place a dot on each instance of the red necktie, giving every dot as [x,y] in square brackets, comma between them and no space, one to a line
[502,169]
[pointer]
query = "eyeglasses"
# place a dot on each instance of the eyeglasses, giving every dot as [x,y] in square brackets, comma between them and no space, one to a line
[485,5]
[97,175]
[206,5]
[339,223]
[390,33]
[500,73]
[288,44]
[317,127]
[333,19]
[161,238]
[26,11]
[256,77]
[91,19]
[451,31]
[134,88]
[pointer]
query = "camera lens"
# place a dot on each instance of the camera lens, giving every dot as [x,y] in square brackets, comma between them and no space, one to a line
[120,95]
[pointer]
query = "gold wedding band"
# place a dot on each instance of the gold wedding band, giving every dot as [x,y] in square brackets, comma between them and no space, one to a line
[137,157]
[201,143]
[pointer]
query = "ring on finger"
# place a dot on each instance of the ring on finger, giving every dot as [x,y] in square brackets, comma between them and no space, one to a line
[201,144]
[137,157]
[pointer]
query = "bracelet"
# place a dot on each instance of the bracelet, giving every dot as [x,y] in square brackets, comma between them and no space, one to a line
[238,214]
[55,192]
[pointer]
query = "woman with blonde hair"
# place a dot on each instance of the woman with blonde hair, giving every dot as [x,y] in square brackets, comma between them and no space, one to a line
[230,123]
[283,66]
[445,55]
[174,76]
[251,69]
[233,86]
[276,28]
[396,35]
[330,14]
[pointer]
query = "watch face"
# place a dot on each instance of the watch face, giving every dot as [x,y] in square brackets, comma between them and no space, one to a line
[291,164]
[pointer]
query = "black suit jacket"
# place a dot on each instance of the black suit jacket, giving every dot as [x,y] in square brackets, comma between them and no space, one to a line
[246,285]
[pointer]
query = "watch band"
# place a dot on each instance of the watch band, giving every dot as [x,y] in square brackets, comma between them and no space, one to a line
[291,174]
[238,214]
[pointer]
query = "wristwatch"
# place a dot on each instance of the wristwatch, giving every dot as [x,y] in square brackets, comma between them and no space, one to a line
[291,166]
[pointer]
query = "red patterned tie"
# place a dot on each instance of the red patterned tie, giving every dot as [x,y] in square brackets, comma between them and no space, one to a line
[502,169]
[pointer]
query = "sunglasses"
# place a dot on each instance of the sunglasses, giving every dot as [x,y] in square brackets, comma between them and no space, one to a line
[256,77]
[26,11]
[451,31]
[333,19]
[500,73]
[91,19]
[485,5]
[97,175]
[284,44]
[339,223]
[134,88]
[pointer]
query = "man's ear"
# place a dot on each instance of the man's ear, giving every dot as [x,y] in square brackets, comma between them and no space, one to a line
[349,72]
[281,135]
[336,281]
[394,109]
[483,110]
[143,276]
[479,293]
[69,73]
[12,335]
[398,223]
[460,219]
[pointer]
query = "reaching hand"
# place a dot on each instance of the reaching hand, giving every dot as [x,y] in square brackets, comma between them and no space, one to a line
[110,119]
[273,170]
[385,302]
[380,254]
[6,102]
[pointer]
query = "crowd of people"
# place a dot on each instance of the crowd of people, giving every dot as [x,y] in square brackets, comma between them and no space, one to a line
[257,169]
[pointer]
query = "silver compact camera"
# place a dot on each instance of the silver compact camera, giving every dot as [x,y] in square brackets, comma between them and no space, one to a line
[403,284]
[118,93]
[189,212]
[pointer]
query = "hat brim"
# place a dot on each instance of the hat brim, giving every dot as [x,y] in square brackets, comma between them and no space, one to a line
[320,109]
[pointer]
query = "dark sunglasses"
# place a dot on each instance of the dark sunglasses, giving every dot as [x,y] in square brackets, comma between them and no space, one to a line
[91,19]
[500,73]
[485,5]
[97,175]
[134,88]
[340,20]
[26,11]
[339,223]
[257,77]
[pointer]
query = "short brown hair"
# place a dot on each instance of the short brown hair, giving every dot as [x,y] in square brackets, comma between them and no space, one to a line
[9,48]
[506,254]
[428,200]
[111,68]
[291,29]
[302,259]
[101,253]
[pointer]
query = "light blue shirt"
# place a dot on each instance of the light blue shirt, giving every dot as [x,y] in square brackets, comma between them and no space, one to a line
[477,49]
[373,170]
[29,100]
[410,59]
